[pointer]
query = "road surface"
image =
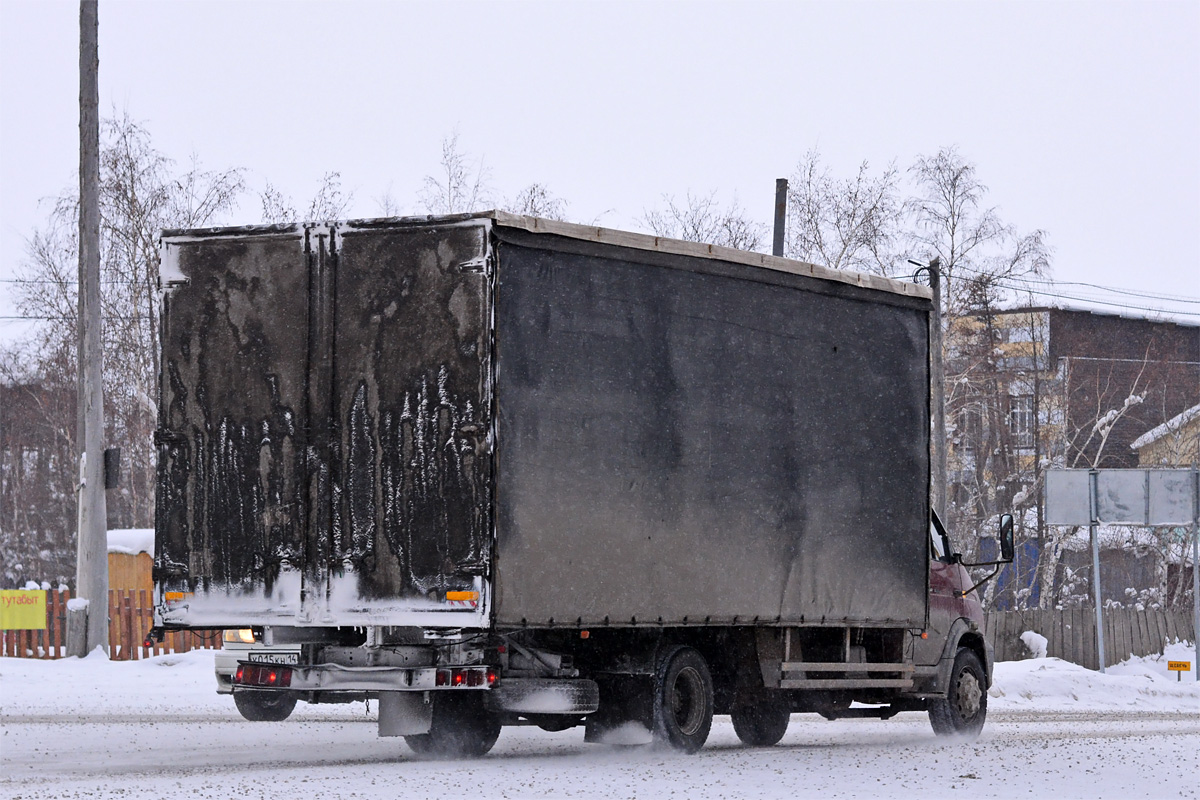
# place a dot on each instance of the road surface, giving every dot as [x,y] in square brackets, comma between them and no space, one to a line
[334,752]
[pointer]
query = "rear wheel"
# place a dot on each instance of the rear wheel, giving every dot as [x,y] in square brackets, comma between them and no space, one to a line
[761,721]
[964,708]
[461,728]
[683,700]
[264,706]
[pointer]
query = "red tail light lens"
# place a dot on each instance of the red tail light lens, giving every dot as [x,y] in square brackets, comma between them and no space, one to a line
[459,677]
[251,675]
[475,677]
[491,677]
[443,677]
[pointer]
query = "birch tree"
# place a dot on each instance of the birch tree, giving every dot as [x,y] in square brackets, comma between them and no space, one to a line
[851,223]
[701,218]
[142,192]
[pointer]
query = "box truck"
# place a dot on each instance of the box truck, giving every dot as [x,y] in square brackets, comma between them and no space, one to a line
[498,470]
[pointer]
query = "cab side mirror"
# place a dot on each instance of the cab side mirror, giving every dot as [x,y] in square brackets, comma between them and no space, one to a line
[1006,538]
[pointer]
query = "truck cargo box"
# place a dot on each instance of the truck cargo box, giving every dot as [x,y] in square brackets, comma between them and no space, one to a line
[491,420]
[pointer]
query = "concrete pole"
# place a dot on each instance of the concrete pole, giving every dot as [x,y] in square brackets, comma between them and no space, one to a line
[938,391]
[781,186]
[1094,503]
[91,576]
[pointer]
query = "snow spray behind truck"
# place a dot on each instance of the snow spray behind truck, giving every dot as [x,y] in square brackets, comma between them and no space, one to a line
[498,470]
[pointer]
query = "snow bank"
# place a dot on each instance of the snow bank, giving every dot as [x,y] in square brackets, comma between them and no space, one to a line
[1036,643]
[1139,684]
[185,683]
[164,685]
[131,541]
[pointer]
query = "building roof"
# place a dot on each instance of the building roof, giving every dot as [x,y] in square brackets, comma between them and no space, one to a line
[1159,316]
[1173,425]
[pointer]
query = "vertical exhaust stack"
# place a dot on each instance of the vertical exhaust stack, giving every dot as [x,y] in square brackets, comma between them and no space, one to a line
[781,188]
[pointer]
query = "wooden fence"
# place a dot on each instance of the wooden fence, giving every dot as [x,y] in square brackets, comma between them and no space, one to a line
[1071,633]
[130,615]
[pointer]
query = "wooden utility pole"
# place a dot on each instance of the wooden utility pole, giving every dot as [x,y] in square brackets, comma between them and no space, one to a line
[91,572]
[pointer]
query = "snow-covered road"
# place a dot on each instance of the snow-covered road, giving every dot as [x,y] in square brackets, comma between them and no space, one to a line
[88,730]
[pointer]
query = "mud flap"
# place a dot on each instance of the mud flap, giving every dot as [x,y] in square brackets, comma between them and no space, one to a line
[404,713]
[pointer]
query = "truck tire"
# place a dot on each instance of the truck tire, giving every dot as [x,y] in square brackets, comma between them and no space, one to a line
[461,728]
[264,706]
[964,708]
[761,721]
[683,700]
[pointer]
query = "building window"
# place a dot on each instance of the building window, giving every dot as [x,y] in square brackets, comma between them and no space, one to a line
[1020,420]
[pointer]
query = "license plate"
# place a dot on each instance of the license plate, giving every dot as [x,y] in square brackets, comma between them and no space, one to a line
[275,658]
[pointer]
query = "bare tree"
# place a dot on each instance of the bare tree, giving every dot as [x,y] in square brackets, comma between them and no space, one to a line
[980,255]
[141,192]
[701,219]
[536,200]
[386,203]
[328,203]
[460,186]
[854,223]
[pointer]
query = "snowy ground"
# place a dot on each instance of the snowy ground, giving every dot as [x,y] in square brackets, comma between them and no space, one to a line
[97,729]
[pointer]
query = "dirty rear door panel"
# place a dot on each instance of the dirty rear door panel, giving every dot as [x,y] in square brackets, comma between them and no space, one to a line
[412,418]
[230,453]
[325,426]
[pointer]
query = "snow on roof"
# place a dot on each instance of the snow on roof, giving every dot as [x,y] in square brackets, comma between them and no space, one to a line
[1185,319]
[1173,425]
[131,541]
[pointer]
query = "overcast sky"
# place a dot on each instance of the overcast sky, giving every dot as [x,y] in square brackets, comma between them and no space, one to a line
[1083,118]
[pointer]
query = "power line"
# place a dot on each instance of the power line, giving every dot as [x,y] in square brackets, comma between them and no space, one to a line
[1148,295]
[1006,283]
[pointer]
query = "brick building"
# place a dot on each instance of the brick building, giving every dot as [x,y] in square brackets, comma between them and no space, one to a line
[1038,387]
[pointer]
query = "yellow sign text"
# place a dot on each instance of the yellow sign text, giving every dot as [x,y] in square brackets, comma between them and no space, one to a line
[22,610]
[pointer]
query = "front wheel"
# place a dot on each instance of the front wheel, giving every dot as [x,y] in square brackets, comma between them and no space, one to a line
[683,700]
[761,721]
[964,708]
[461,728]
[264,706]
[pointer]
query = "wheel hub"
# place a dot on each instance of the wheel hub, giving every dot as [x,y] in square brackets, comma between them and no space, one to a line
[686,701]
[968,695]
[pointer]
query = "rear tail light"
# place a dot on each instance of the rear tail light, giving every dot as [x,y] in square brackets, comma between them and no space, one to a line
[470,677]
[255,675]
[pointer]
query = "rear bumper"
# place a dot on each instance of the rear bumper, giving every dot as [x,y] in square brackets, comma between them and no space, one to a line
[332,678]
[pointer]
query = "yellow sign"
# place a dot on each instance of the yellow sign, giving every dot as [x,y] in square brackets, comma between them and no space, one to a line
[1179,666]
[22,610]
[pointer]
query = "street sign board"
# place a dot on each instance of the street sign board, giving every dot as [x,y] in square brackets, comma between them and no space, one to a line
[1121,496]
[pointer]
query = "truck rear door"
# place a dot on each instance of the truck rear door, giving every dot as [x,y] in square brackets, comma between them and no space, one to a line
[325,426]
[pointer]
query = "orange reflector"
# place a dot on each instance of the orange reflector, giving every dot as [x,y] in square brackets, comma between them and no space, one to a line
[462,595]
[584,634]
[171,597]
[924,635]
